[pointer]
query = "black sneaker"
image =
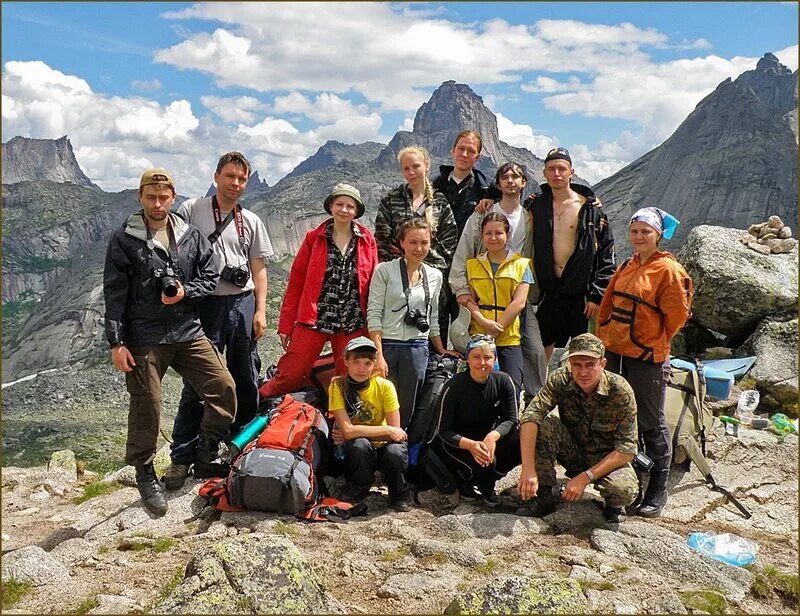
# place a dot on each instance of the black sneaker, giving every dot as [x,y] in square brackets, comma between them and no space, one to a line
[539,506]
[151,490]
[353,493]
[468,493]
[175,476]
[402,503]
[613,515]
[490,498]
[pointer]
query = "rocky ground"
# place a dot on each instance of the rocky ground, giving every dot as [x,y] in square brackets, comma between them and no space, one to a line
[107,555]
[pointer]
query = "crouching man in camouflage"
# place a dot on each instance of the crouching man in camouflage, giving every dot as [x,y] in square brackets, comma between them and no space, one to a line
[594,438]
[157,269]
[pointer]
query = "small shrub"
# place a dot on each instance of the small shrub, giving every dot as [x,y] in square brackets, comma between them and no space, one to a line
[13,592]
[96,488]
[86,606]
[488,567]
[393,555]
[770,579]
[706,600]
[285,528]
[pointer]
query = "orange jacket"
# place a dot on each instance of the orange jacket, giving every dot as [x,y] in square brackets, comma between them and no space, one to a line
[644,307]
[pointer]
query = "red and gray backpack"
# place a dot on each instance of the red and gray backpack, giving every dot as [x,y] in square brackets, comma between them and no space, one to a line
[278,470]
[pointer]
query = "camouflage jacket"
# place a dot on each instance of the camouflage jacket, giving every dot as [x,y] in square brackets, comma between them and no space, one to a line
[601,422]
[395,207]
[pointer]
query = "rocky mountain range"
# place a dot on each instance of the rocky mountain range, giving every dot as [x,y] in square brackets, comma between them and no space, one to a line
[42,159]
[732,162]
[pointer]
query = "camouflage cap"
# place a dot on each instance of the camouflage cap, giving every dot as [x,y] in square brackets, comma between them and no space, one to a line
[586,344]
[346,190]
[159,175]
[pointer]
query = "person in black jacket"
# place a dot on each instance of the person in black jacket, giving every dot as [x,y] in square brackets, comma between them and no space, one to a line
[157,268]
[573,252]
[478,438]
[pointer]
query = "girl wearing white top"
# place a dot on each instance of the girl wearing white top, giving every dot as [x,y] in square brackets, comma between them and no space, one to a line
[403,314]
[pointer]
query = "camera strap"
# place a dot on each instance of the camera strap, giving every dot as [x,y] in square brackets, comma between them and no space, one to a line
[407,290]
[221,224]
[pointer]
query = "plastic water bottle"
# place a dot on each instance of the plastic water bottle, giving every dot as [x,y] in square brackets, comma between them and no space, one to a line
[726,547]
[748,402]
[248,433]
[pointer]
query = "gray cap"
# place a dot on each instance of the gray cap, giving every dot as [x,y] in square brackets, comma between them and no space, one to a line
[588,345]
[361,342]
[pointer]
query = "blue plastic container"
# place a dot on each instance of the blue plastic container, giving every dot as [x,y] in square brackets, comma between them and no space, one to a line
[718,382]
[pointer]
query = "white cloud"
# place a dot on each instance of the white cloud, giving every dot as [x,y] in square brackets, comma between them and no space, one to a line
[235,109]
[407,125]
[548,85]
[146,86]
[788,56]
[608,157]
[522,136]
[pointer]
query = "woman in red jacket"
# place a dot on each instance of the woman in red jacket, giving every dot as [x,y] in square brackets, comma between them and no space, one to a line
[326,296]
[647,301]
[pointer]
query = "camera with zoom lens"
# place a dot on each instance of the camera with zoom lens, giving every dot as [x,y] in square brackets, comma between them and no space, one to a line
[418,319]
[238,275]
[167,280]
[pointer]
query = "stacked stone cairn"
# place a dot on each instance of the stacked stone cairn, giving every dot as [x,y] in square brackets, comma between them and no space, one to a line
[771,237]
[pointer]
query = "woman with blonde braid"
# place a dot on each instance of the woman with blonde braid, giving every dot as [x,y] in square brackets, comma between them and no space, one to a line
[416,197]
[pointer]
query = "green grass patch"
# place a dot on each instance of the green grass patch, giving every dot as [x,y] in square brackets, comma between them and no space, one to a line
[488,567]
[86,605]
[167,589]
[13,592]
[596,585]
[707,600]
[394,555]
[286,529]
[163,544]
[620,567]
[95,489]
[769,580]
[437,558]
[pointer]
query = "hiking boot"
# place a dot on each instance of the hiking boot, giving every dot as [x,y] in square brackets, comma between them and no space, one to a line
[353,493]
[613,515]
[175,476]
[489,496]
[540,506]
[151,490]
[656,495]
[401,503]
[210,459]
[468,492]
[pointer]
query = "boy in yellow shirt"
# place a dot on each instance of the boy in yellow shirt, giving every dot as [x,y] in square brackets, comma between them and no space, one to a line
[367,417]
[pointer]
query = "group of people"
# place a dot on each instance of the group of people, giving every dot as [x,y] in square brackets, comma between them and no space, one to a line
[456,266]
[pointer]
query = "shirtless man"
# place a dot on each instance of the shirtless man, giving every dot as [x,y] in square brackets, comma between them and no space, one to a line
[574,252]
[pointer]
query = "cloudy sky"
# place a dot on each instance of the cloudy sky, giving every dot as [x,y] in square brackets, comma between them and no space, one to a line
[175,84]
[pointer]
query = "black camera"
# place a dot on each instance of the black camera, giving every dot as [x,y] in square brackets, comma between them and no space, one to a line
[167,280]
[418,319]
[236,275]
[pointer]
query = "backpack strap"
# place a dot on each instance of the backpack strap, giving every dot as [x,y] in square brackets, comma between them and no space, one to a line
[332,510]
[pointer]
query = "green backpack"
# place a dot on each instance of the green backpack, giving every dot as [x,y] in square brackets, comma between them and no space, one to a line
[689,420]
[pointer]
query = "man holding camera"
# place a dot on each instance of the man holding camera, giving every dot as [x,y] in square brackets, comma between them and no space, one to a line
[594,436]
[234,316]
[158,268]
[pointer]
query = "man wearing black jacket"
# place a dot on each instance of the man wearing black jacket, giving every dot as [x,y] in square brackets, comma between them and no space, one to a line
[157,268]
[574,252]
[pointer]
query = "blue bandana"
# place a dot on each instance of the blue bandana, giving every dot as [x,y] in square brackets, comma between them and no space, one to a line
[657,218]
[479,340]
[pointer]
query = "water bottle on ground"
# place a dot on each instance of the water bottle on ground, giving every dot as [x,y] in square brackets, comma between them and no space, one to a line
[746,408]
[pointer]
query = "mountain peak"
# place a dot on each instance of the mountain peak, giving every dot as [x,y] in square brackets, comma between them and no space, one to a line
[770,62]
[26,159]
[773,83]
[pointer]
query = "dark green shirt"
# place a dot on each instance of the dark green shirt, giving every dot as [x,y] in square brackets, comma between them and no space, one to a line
[601,422]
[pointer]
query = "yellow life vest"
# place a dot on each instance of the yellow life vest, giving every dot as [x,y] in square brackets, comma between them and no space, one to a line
[495,290]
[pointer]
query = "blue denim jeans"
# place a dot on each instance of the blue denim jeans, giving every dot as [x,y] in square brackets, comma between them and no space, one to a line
[228,322]
[407,361]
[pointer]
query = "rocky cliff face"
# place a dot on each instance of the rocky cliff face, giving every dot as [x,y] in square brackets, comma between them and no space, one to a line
[42,159]
[333,152]
[732,162]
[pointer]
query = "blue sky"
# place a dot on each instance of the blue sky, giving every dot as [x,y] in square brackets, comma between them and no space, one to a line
[175,84]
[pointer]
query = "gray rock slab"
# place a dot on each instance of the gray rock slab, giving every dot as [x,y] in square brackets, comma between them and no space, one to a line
[735,287]
[522,595]
[463,555]
[774,343]
[489,525]
[62,465]
[115,604]
[249,574]
[32,564]
[428,586]
[74,551]
[659,549]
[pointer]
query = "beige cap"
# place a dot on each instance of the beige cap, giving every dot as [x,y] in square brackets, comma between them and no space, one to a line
[158,175]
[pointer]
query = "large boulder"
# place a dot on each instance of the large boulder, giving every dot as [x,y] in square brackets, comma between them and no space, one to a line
[249,575]
[774,344]
[522,595]
[735,287]
[32,564]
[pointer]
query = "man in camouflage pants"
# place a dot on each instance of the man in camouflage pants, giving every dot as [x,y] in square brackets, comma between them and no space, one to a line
[594,438]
